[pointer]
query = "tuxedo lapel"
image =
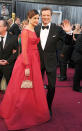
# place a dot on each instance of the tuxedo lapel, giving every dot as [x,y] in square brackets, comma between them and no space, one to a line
[49,35]
[39,28]
[52,34]
[6,42]
[1,46]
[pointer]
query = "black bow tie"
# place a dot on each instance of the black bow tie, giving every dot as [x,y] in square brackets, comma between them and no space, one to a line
[45,27]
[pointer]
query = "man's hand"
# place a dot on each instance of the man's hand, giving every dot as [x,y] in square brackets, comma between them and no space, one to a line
[62,55]
[3,62]
[13,51]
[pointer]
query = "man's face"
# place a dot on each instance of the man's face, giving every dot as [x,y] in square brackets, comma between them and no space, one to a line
[46,17]
[4,7]
[2,27]
[18,21]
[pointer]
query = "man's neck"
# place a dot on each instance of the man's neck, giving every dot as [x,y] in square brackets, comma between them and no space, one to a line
[4,33]
[45,24]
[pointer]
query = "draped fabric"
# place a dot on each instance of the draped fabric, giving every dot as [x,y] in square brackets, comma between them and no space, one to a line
[22,108]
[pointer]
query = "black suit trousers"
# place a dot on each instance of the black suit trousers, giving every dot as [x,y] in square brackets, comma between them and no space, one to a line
[6,71]
[62,65]
[77,76]
[51,76]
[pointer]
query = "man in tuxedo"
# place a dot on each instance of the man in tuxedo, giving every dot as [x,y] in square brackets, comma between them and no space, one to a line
[65,51]
[8,51]
[77,58]
[15,28]
[49,34]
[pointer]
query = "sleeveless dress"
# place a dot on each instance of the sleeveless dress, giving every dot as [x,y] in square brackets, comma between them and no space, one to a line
[25,107]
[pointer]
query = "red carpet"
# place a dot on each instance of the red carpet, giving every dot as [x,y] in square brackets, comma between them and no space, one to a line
[67,109]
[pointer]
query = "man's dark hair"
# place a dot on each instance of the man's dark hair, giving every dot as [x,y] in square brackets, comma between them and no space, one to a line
[16,18]
[46,8]
[5,23]
[3,5]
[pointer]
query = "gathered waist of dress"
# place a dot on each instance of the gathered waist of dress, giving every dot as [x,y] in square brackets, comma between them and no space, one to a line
[33,47]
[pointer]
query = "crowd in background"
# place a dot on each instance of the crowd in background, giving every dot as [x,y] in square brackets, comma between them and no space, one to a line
[29,45]
[64,50]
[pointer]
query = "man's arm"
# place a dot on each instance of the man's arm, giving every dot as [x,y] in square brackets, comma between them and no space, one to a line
[14,54]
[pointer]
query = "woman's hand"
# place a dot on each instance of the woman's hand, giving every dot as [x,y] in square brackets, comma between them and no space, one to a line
[27,72]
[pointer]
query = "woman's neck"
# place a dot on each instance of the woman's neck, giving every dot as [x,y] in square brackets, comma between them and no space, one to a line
[31,27]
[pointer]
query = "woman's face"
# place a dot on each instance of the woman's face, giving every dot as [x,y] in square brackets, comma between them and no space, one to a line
[34,20]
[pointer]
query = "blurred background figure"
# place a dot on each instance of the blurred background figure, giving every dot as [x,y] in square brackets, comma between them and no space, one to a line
[4,12]
[23,25]
[77,31]
[66,49]
[15,28]
[10,22]
[77,58]
[8,51]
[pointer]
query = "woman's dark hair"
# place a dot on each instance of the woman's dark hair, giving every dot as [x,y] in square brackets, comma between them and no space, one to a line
[32,13]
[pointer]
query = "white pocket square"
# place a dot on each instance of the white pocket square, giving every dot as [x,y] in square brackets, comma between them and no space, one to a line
[54,36]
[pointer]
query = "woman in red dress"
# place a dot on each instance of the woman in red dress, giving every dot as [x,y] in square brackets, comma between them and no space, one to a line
[25,107]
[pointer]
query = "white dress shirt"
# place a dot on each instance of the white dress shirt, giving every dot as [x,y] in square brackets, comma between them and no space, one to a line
[44,35]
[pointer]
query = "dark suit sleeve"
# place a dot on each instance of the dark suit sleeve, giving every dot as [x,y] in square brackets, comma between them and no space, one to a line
[77,52]
[61,34]
[15,30]
[68,45]
[13,56]
[78,45]
[61,39]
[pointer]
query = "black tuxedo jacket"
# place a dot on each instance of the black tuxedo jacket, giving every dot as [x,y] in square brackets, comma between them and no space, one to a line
[48,55]
[77,52]
[68,47]
[7,52]
[14,29]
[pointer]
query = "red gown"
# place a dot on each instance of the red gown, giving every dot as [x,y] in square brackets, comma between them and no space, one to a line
[24,107]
